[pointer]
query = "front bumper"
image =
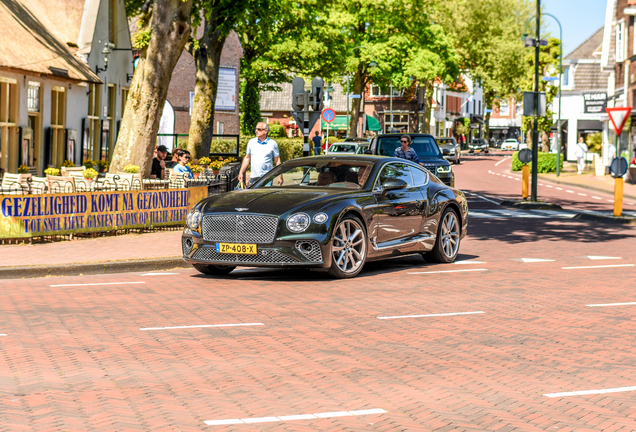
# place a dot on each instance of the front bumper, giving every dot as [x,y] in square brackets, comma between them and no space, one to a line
[309,252]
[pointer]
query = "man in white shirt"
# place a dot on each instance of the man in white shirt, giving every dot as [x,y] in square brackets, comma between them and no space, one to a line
[580,152]
[262,152]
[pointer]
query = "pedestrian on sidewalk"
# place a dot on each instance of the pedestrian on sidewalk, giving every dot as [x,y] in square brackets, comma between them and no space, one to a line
[317,143]
[181,166]
[580,152]
[405,151]
[158,169]
[262,153]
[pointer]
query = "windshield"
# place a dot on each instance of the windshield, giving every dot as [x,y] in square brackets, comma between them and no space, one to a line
[342,148]
[311,174]
[444,141]
[424,146]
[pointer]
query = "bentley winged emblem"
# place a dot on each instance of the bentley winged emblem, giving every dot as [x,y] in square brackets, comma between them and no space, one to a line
[241,209]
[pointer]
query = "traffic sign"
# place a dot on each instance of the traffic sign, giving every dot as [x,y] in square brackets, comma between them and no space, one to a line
[618,117]
[548,78]
[328,115]
[525,156]
[354,96]
[618,168]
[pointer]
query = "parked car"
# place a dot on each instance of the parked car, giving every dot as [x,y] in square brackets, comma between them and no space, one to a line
[478,144]
[510,144]
[427,151]
[333,214]
[343,147]
[451,150]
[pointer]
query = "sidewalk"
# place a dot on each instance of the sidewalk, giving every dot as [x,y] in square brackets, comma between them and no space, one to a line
[588,180]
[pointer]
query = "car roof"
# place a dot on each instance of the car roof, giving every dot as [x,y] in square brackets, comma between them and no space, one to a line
[351,157]
[407,133]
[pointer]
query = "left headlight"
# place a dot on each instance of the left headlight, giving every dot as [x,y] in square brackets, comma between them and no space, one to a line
[194,219]
[298,222]
[444,169]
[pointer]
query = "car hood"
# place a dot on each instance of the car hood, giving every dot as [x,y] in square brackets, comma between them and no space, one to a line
[268,201]
[446,146]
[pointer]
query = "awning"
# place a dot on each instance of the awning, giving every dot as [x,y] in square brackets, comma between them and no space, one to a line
[591,125]
[339,123]
[373,124]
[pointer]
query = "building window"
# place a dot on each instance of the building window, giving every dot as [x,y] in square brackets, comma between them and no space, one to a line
[377,91]
[620,41]
[91,133]
[565,77]
[504,109]
[33,97]
[124,99]
[220,128]
[480,111]
[57,147]
[8,124]
[400,123]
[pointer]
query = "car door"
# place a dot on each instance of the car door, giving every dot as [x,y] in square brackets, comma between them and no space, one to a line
[399,212]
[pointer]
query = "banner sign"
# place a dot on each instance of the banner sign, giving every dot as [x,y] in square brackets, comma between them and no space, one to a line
[23,216]
[226,90]
[594,103]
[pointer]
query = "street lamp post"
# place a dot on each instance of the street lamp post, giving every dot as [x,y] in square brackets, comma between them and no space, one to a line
[391,106]
[372,64]
[535,129]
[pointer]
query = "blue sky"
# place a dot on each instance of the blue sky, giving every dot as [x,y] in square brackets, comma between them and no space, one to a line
[579,18]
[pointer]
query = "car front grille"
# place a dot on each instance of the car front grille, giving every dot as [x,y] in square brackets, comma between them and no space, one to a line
[314,253]
[431,168]
[263,257]
[237,228]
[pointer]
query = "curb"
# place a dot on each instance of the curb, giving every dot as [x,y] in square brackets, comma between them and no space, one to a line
[92,268]
[605,219]
[528,205]
[584,186]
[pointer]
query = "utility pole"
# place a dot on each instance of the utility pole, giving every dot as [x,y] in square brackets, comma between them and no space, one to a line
[535,129]
[391,106]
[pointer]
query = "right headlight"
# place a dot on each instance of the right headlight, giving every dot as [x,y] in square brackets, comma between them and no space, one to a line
[298,222]
[444,169]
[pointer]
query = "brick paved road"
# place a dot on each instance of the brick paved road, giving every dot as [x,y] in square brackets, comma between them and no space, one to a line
[74,357]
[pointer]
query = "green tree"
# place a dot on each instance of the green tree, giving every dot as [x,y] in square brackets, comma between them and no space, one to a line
[164,31]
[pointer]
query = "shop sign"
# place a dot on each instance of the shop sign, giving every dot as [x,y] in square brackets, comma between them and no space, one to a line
[24,216]
[594,103]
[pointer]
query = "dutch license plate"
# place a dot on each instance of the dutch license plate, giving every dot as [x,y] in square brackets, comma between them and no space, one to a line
[237,248]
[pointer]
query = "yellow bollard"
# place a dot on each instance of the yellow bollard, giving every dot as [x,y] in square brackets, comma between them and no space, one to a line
[525,183]
[618,196]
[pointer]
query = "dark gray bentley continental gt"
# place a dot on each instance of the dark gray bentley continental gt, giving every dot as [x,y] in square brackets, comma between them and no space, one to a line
[328,212]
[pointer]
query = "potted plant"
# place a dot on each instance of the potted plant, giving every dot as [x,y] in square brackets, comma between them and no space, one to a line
[89,175]
[229,160]
[102,165]
[196,169]
[68,164]
[215,166]
[131,169]
[23,169]
[52,171]
[204,161]
[88,163]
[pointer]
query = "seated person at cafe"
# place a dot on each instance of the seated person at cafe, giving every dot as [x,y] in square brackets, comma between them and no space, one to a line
[325,178]
[158,169]
[181,166]
[175,158]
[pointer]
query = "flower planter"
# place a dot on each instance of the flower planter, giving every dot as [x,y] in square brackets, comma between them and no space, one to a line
[215,172]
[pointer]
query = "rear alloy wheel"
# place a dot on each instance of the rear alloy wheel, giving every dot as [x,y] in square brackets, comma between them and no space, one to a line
[213,270]
[447,242]
[348,248]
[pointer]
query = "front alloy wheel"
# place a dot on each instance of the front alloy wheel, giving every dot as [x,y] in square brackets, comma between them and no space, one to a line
[447,242]
[348,248]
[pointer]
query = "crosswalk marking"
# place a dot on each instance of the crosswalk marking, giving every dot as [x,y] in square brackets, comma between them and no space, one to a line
[526,214]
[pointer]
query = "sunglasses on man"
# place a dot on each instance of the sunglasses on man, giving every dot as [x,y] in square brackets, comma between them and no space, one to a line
[260,129]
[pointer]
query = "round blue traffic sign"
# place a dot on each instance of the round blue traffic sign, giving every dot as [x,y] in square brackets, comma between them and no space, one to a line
[328,115]
[618,168]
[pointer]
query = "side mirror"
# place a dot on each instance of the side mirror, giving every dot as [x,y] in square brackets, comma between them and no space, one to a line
[392,184]
[368,152]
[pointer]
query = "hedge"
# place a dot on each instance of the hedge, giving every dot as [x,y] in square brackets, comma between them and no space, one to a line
[547,162]
[290,148]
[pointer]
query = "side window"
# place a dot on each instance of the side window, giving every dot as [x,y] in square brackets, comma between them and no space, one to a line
[397,171]
[420,177]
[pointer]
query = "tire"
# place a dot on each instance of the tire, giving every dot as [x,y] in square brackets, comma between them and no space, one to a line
[448,237]
[213,270]
[348,248]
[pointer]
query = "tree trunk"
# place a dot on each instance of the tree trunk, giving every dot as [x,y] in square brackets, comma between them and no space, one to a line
[428,94]
[251,109]
[170,29]
[207,59]
[358,82]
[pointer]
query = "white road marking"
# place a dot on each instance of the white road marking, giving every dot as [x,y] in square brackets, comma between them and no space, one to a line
[450,271]
[432,315]
[501,161]
[595,257]
[3,334]
[612,304]
[548,186]
[582,194]
[540,184]
[534,260]
[201,326]
[507,213]
[589,392]
[610,200]
[158,274]
[248,420]
[510,176]
[558,188]
[569,191]
[604,266]
[498,174]
[595,197]
[484,198]
[517,178]
[100,283]
[469,262]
